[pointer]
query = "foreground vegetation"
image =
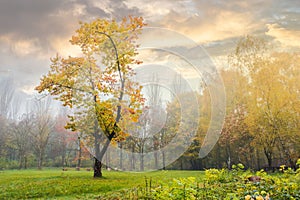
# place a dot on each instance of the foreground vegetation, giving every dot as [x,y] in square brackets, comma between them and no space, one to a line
[235,184]
[71,184]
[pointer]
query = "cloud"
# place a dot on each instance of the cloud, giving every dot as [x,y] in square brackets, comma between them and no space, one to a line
[23,48]
[26,18]
[41,22]
[32,31]
[206,21]
[156,9]
[285,36]
[64,47]
[226,24]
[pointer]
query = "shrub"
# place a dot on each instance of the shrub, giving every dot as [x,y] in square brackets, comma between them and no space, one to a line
[224,184]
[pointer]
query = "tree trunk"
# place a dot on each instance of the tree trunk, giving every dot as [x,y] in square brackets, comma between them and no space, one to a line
[99,155]
[164,160]
[97,158]
[63,158]
[97,168]
[21,161]
[181,163]
[155,148]
[107,159]
[269,162]
[121,156]
[156,159]
[142,162]
[268,154]
[25,162]
[79,156]
[132,158]
[219,159]
[228,161]
[200,164]
[40,161]
[258,160]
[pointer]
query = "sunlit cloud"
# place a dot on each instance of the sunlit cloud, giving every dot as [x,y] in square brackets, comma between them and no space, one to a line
[285,36]
[237,24]
[64,48]
[155,10]
[23,48]
[31,33]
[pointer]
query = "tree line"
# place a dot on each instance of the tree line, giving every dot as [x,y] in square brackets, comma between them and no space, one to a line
[36,137]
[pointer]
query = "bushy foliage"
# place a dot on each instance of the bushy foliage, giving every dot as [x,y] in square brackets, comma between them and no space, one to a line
[223,184]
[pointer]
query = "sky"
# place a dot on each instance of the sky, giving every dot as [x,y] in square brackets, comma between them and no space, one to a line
[32,31]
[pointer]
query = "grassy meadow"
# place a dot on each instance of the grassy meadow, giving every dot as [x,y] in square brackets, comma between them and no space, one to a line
[234,184]
[71,184]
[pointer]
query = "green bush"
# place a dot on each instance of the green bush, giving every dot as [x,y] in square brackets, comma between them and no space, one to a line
[8,165]
[224,184]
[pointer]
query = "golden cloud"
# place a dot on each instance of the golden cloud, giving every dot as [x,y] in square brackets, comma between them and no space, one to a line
[220,25]
[285,36]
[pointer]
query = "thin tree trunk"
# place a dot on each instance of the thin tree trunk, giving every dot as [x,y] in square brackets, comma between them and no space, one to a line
[97,159]
[107,158]
[40,161]
[142,158]
[142,162]
[79,158]
[63,158]
[269,158]
[258,160]
[132,158]
[156,159]
[164,160]
[155,147]
[121,156]
[25,162]
[181,163]
[228,156]
[21,161]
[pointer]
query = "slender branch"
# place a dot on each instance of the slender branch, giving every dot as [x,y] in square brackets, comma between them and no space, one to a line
[118,117]
[71,88]
[116,53]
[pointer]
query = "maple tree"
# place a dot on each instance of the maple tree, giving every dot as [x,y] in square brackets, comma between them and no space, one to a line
[99,85]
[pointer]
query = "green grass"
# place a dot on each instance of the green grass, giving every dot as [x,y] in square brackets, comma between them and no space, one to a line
[58,184]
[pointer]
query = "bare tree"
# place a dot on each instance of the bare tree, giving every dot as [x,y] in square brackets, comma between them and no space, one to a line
[6,96]
[156,115]
[3,136]
[43,127]
[20,132]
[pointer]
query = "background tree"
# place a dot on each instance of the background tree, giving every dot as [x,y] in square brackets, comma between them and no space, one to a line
[62,142]
[3,137]
[271,104]
[43,125]
[6,97]
[20,137]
